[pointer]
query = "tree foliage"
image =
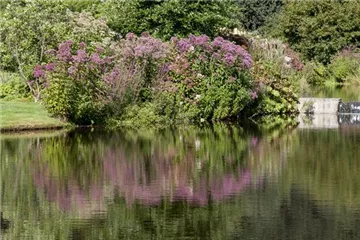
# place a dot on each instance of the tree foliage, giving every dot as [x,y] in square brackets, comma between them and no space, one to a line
[319,29]
[26,33]
[256,12]
[165,19]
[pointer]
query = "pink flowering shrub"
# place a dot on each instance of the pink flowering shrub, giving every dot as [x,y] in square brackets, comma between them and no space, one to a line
[211,77]
[84,85]
[141,60]
[143,78]
[77,82]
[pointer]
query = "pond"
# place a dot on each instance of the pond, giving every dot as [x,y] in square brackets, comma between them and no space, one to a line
[219,182]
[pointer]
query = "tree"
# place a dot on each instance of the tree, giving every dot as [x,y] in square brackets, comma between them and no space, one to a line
[26,33]
[319,29]
[165,19]
[30,28]
[256,12]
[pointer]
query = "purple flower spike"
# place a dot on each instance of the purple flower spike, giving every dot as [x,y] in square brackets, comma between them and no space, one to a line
[218,41]
[183,45]
[95,58]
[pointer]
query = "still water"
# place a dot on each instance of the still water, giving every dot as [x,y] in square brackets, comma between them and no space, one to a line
[220,182]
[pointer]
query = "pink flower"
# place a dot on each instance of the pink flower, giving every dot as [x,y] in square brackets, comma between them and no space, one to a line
[81,56]
[39,71]
[253,95]
[130,36]
[99,49]
[72,70]
[51,52]
[50,66]
[95,58]
[82,45]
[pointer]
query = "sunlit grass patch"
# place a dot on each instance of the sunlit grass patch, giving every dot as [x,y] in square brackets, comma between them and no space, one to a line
[26,115]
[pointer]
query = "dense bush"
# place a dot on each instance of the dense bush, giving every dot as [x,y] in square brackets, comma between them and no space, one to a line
[140,62]
[83,84]
[257,12]
[12,86]
[165,19]
[276,93]
[344,68]
[209,78]
[277,72]
[76,85]
[141,80]
[81,5]
[319,29]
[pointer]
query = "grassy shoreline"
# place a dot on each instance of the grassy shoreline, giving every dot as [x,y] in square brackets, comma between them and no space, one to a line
[20,116]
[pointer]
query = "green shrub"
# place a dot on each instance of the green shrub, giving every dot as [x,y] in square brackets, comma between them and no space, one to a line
[78,86]
[276,92]
[317,74]
[81,5]
[73,102]
[12,86]
[345,67]
[140,116]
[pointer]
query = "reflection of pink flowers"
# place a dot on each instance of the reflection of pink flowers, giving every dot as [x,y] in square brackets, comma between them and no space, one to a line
[254,141]
[171,180]
[137,183]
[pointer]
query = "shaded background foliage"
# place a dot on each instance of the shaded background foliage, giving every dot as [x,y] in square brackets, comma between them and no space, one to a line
[256,13]
[318,29]
[165,19]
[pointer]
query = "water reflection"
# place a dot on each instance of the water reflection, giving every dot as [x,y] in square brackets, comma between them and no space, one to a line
[222,182]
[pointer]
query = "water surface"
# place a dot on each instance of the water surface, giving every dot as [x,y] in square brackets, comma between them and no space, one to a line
[220,182]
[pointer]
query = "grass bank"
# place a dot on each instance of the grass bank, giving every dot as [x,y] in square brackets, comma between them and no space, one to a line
[26,116]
